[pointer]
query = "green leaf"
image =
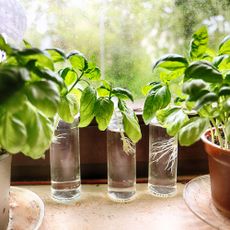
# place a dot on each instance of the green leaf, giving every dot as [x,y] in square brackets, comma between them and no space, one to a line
[57,55]
[12,133]
[224,91]
[93,74]
[4,46]
[206,99]
[171,62]
[122,93]
[68,108]
[102,91]
[224,47]
[222,62]
[88,100]
[195,88]
[11,81]
[131,126]
[155,101]
[227,79]
[45,74]
[192,130]
[39,129]
[27,44]
[103,112]
[78,60]
[226,105]
[204,71]
[172,119]
[199,43]
[33,54]
[69,76]
[45,96]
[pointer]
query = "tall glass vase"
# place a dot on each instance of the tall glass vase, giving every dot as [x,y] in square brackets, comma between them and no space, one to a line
[163,152]
[121,158]
[65,162]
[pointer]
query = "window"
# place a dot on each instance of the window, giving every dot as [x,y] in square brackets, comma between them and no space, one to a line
[124,37]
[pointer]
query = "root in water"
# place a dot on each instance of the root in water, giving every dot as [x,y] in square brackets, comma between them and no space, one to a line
[164,149]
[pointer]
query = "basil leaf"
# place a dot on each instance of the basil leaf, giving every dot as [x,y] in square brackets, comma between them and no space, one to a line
[199,43]
[93,74]
[204,71]
[57,55]
[11,81]
[224,91]
[222,62]
[4,46]
[224,47]
[122,93]
[33,54]
[68,108]
[44,95]
[155,101]
[12,133]
[206,99]
[78,60]
[40,130]
[171,62]
[195,88]
[103,112]
[131,126]
[192,130]
[172,119]
[88,100]
[69,76]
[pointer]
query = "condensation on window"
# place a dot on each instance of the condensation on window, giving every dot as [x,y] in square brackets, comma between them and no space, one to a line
[124,37]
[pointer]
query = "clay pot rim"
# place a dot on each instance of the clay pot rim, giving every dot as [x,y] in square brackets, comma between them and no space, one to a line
[206,141]
[3,156]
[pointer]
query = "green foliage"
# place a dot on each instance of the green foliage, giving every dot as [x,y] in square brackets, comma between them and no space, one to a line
[103,112]
[88,101]
[30,96]
[204,92]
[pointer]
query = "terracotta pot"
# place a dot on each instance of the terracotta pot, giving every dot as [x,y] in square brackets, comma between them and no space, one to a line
[5,169]
[219,168]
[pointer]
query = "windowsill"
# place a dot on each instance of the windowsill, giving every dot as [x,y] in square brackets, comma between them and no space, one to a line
[94,210]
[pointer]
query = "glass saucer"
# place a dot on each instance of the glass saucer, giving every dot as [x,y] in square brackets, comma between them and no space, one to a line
[197,196]
[26,209]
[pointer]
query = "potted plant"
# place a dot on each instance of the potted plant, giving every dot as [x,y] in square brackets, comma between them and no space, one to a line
[30,97]
[192,100]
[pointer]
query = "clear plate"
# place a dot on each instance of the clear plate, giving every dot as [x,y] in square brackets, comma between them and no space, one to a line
[26,210]
[197,196]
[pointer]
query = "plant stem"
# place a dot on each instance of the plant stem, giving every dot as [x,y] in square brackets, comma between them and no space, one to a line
[212,134]
[218,133]
[82,73]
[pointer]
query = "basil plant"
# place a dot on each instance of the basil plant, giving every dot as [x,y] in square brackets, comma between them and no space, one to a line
[98,103]
[32,94]
[193,92]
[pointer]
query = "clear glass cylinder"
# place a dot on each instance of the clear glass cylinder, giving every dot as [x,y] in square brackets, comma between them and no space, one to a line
[121,158]
[65,162]
[163,153]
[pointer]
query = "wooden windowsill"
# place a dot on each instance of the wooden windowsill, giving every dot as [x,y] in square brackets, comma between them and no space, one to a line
[94,210]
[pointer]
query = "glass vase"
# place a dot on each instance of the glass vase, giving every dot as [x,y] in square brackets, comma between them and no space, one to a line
[163,153]
[65,162]
[121,157]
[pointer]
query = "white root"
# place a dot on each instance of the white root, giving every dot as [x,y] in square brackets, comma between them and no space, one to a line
[161,149]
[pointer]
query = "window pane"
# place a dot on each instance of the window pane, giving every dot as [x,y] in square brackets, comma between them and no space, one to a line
[124,37]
